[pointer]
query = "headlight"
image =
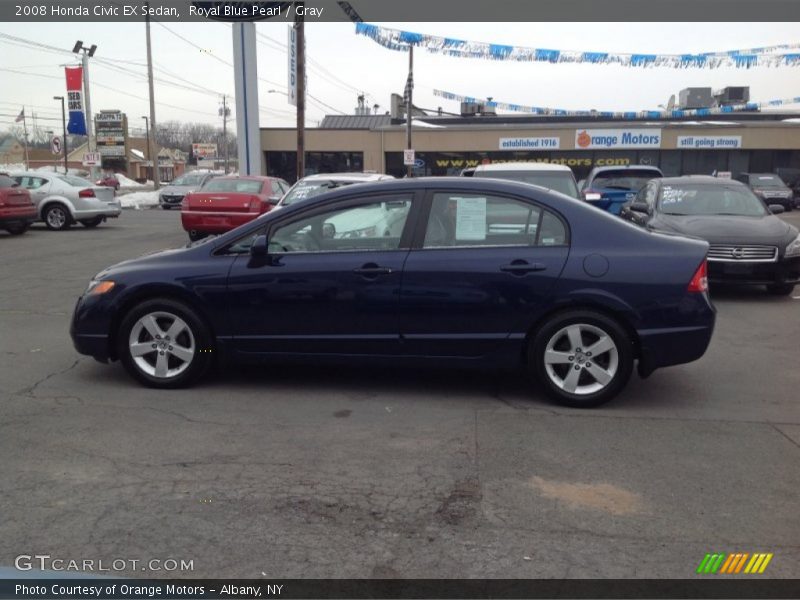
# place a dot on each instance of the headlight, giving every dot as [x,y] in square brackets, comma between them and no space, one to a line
[99,287]
[793,249]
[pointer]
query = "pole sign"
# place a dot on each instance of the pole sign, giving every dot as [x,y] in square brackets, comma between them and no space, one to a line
[408,158]
[202,151]
[111,133]
[92,159]
[55,144]
[292,94]
[77,121]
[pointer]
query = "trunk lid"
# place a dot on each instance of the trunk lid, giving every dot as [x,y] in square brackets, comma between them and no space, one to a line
[15,196]
[221,202]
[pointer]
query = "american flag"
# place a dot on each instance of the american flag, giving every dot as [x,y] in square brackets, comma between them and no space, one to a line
[21,116]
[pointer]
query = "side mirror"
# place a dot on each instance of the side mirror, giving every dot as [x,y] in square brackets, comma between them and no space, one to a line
[259,249]
[274,200]
[640,207]
[776,209]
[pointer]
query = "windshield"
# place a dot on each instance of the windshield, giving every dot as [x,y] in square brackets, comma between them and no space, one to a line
[766,181]
[242,186]
[710,200]
[303,190]
[75,181]
[560,181]
[189,179]
[629,179]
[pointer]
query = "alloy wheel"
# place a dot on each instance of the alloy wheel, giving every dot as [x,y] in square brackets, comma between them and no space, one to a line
[581,359]
[162,345]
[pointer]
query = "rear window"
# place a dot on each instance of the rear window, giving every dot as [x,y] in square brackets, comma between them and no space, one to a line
[190,179]
[242,186]
[628,179]
[560,181]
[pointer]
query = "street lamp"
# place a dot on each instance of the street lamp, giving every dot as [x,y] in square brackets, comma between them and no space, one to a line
[79,48]
[147,133]
[64,124]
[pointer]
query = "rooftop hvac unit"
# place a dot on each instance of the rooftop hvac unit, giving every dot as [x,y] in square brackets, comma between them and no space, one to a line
[697,97]
[469,109]
[732,95]
[489,111]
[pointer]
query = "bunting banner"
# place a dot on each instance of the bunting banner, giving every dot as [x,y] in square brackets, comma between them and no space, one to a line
[639,114]
[77,121]
[783,55]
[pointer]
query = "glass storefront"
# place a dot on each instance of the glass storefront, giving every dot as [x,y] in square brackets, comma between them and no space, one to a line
[284,164]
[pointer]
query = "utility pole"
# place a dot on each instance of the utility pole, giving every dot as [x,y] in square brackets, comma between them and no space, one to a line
[154,155]
[409,104]
[147,137]
[64,123]
[87,53]
[225,112]
[299,24]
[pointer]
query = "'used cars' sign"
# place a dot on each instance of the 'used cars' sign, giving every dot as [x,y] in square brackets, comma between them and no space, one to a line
[617,138]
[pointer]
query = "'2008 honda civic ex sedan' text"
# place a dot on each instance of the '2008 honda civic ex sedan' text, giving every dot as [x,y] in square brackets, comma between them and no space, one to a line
[443,271]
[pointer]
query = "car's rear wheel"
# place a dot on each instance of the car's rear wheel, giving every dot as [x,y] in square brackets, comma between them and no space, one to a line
[164,344]
[582,358]
[92,222]
[17,228]
[197,235]
[57,217]
[780,289]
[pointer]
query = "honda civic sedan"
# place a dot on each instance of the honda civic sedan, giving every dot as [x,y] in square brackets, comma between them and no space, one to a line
[477,273]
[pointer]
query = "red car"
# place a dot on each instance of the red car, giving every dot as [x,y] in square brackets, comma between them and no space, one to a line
[109,180]
[17,210]
[227,202]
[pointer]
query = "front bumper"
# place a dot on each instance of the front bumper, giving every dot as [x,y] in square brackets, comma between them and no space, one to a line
[786,270]
[90,327]
[170,199]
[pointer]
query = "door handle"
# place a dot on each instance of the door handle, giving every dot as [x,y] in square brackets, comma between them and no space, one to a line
[372,270]
[522,267]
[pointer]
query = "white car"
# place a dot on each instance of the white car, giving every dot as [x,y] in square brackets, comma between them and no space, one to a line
[62,200]
[312,185]
[558,178]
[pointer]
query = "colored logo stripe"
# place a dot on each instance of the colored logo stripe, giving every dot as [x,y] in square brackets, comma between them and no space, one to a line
[758,563]
[730,564]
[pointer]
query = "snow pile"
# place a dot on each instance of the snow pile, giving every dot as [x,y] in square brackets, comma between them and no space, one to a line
[11,167]
[127,182]
[139,200]
[83,173]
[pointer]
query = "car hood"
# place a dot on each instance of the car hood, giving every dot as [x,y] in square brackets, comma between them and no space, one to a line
[723,228]
[178,189]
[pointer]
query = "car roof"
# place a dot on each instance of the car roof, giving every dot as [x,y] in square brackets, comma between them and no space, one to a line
[597,170]
[355,176]
[704,179]
[522,166]
[250,177]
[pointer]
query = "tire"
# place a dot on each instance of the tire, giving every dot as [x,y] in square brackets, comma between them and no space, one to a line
[90,223]
[573,334]
[780,289]
[56,217]
[17,228]
[197,235]
[159,317]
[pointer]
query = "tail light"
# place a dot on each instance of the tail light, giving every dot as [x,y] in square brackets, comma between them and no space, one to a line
[699,282]
[87,193]
[591,196]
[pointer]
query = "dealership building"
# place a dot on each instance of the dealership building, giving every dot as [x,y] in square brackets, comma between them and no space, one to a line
[737,142]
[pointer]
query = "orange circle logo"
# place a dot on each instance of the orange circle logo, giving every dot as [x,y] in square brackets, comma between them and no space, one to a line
[584,139]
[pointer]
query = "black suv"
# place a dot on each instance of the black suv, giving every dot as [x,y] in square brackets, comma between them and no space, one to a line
[769,187]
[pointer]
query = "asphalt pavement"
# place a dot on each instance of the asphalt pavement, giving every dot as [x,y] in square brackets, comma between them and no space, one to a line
[340,472]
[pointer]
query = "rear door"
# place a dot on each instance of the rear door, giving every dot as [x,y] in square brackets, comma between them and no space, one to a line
[480,268]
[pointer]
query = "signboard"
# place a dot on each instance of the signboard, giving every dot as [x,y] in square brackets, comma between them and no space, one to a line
[91,159]
[77,121]
[111,135]
[709,142]
[408,158]
[111,151]
[604,139]
[530,143]
[292,51]
[55,144]
[201,151]
[723,174]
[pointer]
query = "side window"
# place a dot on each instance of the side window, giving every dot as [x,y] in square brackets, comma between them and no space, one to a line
[37,182]
[371,225]
[276,188]
[477,220]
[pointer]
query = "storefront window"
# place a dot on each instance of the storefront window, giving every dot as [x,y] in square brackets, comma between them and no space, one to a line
[284,164]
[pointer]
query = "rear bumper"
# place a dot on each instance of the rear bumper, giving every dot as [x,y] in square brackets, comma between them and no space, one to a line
[215,221]
[17,214]
[783,271]
[673,346]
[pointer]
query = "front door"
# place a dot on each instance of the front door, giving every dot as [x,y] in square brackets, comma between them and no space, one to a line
[331,282]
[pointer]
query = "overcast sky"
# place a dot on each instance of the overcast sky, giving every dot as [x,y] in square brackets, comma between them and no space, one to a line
[343,64]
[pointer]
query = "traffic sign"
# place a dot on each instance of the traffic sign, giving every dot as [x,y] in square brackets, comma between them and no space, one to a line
[92,159]
[55,144]
[408,158]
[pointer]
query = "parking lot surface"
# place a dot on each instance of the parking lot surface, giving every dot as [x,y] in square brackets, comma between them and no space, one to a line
[287,471]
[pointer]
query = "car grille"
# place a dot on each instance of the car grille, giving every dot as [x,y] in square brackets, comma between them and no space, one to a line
[172,199]
[720,252]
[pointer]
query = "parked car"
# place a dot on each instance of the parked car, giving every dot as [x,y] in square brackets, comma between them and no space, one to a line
[319,183]
[611,187]
[770,187]
[62,200]
[571,293]
[552,176]
[109,180]
[749,245]
[17,210]
[227,202]
[791,177]
[172,195]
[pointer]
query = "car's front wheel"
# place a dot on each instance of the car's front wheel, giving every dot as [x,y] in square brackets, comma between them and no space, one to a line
[57,217]
[164,344]
[582,358]
[197,235]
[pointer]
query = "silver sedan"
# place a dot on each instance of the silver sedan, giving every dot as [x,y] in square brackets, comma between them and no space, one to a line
[62,200]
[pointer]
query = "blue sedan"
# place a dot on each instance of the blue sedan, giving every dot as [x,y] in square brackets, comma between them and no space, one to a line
[432,271]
